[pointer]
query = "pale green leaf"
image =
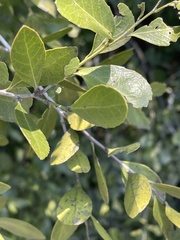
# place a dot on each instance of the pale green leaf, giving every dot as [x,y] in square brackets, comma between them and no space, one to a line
[157,33]
[77,123]
[56,35]
[28,56]
[32,133]
[169,189]
[72,66]
[62,231]
[46,5]
[142,7]
[158,89]
[3,201]
[100,178]
[173,215]
[137,195]
[17,82]
[127,149]
[47,122]
[102,232]
[93,15]
[1,237]
[66,148]
[175,234]
[8,105]
[161,218]
[137,118]
[129,83]
[4,187]
[79,163]
[3,140]
[72,84]
[4,76]
[21,228]
[56,60]
[3,130]
[102,106]
[176,138]
[118,58]
[75,207]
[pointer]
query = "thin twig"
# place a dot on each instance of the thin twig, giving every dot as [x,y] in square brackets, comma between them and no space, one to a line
[87,230]
[5,44]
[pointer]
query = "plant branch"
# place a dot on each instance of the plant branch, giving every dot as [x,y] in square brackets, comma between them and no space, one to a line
[6,45]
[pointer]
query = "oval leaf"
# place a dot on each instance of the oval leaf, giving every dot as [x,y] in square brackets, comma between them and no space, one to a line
[158,89]
[4,187]
[102,106]
[137,195]
[62,231]
[78,123]
[21,228]
[66,148]
[75,207]
[127,149]
[169,189]
[102,232]
[93,15]
[32,133]
[28,56]
[79,163]
[173,215]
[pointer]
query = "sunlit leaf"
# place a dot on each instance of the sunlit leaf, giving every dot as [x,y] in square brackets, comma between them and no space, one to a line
[1,237]
[46,5]
[173,215]
[127,149]
[28,56]
[169,189]
[137,195]
[66,148]
[32,133]
[158,89]
[79,162]
[21,228]
[100,179]
[93,15]
[102,106]
[75,207]
[78,123]
[62,231]
[102,232]
[72,66]
[4,187]
[157,33]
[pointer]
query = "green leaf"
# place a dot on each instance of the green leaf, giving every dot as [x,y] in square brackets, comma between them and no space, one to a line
[3,201]
[127,149]
[157,33]
[47,122]
[93,15]
[66,148]
[56,60]
[102,106]
[119,58]
[161,218]
[56,35]
[17,82]
[102,232]
[21,228]
[72,66]
[32,133]
[1,237]
[137,118]
[75,207]
[158,89]
[46,5]
[3,130]
[78,123]
[137,195]
[72,84]
[173,215]
[4,76]
[169,189]
[100,178]
[175,235]
[4,187]
[62,231]
[79,163]
[28,56]
[8,105]
[129,83]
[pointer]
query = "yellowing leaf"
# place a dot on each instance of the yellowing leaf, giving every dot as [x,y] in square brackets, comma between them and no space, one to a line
[93,15]
[78,123]
[28,56]
[79,162]
[62,231]
[32,133]
[21,228]
[173,215]
[75,207]
[102,232]
[169,189]
[127,149]
[66,148]
[137,195]
[102,106]
[4,187]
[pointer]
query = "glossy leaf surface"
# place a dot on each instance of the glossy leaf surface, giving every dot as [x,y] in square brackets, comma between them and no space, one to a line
[75,207]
